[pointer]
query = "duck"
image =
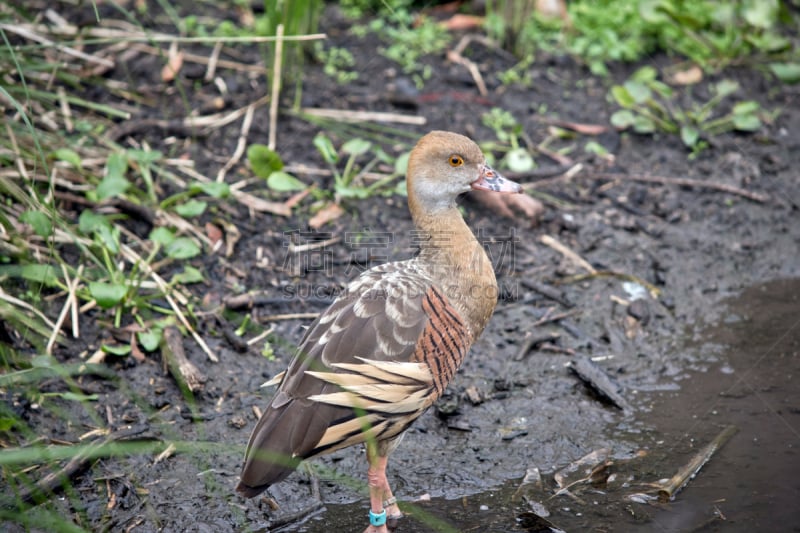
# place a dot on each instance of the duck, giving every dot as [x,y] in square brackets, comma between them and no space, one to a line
[385,350]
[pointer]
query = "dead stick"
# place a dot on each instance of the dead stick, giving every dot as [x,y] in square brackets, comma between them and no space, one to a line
[288,316]
[679,480]
[183,370]
[688,182]
[276,87]
[52,481]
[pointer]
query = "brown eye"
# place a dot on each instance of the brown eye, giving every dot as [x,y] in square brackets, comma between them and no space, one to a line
[456,160]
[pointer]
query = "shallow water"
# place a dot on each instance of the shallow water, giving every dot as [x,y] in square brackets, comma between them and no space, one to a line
[751,380]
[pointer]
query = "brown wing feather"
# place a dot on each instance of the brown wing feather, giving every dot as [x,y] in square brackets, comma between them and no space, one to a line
[367,368]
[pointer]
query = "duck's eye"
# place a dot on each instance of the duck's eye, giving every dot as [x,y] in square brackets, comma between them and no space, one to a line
[456,160]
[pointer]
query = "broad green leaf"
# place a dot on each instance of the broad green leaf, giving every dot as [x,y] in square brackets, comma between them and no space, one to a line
[6,424]
[144,157]
[689,136]
[263,160]
[107,295]
[282,182]
[189,275]
[640,92]
[39,221]
[116,349]
[748,107]
[594,147]
[401,163]
[623,119]
[150,339]
[90,222]
[645,74]
[746,122]
[214,189]
[108,237]
[786,72]
[643,124]
[192,208]
[356,146]
[182,248]
[519,160]
[326,149]
[622,96]
[726,87]
[111,187]
[117,165]
[162,236]
[68,156]
[760,13]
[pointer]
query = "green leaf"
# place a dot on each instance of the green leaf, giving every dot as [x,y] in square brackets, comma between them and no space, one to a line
[726,87]
[401,163]
[519,160]
[192,208]
[161,235]
[76,396]
[786,72]
[182,248]
[746,122]
[107,295]
[623,119]
[112,186]
[6,424]
[89,222]
[114,182]
[69,156]
[640,92]
[150,339]
[594,147]
[326,149]
[748,107]
[643,124]
[760,13]
[622,96]
[35,272]
[116,349]
[282,182]
[645,74]
[689,136]
[189,275]
[144,157]
[356,146]
[39,221]
[215,189]
[263,160]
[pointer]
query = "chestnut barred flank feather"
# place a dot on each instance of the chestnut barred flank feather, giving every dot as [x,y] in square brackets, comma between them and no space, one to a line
[387,348]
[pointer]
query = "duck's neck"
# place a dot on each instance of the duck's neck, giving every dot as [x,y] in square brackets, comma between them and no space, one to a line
[458,265]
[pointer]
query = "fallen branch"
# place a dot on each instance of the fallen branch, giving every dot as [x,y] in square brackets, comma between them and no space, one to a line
[674,485]
[174,358]
[687,182]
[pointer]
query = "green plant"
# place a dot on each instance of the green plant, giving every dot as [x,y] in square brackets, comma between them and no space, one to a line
[508,132]
[351,180]
[336,62]
[649,106]
[710,33]
[408,41]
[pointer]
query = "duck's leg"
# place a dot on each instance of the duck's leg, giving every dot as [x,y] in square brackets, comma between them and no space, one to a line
[379,491]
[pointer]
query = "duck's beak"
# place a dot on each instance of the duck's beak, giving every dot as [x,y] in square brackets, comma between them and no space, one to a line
[490,180]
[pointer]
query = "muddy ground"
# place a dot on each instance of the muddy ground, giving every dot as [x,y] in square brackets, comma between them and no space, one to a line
[690,361]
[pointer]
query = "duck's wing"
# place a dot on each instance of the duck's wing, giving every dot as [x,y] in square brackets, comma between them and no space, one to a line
[366,368]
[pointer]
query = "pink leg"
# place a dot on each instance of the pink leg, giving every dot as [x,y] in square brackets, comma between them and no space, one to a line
[379,490]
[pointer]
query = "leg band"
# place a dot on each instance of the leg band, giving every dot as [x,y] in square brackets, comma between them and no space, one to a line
[377,519]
